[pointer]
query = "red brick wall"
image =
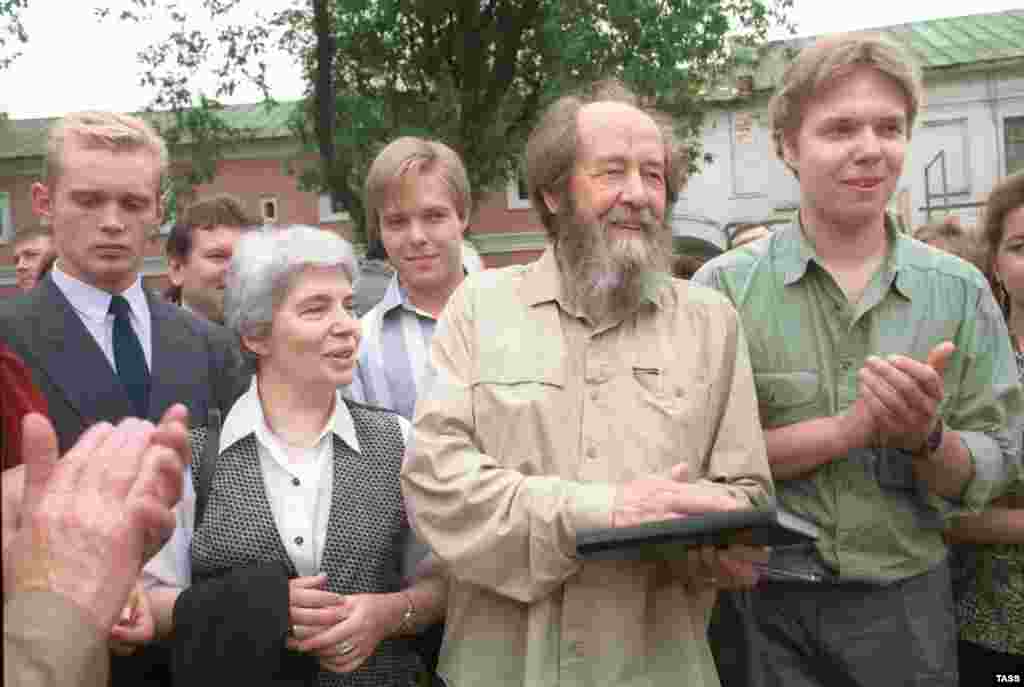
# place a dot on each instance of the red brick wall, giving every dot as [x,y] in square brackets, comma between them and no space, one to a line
[493,216]
[253,180]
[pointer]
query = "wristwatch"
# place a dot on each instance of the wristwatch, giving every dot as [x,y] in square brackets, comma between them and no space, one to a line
[934,440]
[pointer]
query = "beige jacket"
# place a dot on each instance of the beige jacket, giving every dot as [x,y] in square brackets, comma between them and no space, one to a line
[49,642]
[534,418]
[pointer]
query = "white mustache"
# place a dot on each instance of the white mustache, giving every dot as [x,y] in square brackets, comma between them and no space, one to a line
[618,215]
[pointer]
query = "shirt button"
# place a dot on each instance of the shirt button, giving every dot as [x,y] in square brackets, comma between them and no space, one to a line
[298,540]
[594,395]
[295,481]
[591,453]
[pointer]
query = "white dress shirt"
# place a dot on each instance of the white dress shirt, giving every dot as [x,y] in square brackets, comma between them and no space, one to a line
[92,306]
[299,485]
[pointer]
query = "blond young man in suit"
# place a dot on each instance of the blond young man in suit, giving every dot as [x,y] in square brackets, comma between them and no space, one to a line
[100,348]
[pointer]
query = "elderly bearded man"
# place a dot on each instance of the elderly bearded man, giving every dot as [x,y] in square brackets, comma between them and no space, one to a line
[588,389]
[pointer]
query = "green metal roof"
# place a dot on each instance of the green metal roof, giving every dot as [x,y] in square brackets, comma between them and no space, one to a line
[979,40]
[26,138]
[955,41]
[950,42]
[23,137]
[263,121]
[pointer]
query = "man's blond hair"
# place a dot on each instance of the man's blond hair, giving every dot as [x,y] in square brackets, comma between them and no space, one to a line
[104,130]
[421,156]
[830,59]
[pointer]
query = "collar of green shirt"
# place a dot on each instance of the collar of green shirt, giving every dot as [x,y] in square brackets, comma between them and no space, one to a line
[795,253]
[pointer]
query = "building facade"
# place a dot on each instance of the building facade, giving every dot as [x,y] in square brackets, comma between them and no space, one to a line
[969,135]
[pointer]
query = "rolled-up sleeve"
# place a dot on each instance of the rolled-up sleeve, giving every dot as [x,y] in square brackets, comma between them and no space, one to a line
[491,525]
[51,642]
[986,411]
[738,458]
[172,565]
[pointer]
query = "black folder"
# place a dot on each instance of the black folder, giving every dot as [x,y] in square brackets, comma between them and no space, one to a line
[669,539]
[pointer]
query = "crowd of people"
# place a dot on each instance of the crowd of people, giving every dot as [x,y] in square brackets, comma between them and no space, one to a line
[279,473]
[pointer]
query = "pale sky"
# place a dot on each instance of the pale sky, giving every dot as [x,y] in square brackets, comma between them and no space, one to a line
[75,62]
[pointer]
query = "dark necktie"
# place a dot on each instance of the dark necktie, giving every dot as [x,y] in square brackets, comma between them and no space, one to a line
[129,358]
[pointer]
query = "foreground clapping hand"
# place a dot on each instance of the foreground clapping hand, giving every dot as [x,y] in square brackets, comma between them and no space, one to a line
[90,520]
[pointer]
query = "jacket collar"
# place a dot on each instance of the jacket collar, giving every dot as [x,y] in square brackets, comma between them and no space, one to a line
[795,253]
[246,417]
[94,302]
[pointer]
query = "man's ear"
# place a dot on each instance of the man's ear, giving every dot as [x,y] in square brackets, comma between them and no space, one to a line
[553,201]
[257,344]
[159,211]
[42,200]
[789,152]
[176,271]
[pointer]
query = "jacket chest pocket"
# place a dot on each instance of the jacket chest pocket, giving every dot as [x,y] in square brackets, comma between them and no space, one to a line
[785,398]
[518,417]
[668,419]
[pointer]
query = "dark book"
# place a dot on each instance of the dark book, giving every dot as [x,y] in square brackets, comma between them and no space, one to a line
[668,539]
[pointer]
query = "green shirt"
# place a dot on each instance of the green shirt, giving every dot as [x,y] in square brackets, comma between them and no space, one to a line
[807,343]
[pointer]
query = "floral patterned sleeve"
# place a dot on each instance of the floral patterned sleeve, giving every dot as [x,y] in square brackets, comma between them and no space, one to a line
[991,608]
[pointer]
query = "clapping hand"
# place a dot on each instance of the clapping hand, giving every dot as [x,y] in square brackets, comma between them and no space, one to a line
[89,521]
[135,627]
[904,394]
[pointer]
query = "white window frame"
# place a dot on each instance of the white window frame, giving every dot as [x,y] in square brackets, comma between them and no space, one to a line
[6,224]
[271,201]
[513,198]
[327,212]
[1006,142]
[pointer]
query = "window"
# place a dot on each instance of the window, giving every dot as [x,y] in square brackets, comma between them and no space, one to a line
[331,211]
[943,145]
[268,210]
[515,191]
[1014,144]
[6,226]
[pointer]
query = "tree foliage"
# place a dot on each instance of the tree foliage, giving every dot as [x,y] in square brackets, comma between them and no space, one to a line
[470,72]
[12,31]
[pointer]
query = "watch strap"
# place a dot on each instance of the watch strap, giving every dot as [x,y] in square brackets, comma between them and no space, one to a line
[934,440]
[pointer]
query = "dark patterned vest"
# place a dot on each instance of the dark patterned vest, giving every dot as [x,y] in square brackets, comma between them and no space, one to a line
[366,528]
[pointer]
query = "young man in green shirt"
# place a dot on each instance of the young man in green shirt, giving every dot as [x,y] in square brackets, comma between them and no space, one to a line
[886,386]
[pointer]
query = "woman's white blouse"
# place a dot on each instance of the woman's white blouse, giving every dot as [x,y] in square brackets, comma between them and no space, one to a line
[299,486]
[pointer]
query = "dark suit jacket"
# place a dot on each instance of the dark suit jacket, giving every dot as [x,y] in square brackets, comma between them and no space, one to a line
[195,362]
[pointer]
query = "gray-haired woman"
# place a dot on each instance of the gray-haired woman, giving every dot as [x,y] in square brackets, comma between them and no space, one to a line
[300,547]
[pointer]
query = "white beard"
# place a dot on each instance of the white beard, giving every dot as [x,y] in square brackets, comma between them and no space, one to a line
[608,278]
